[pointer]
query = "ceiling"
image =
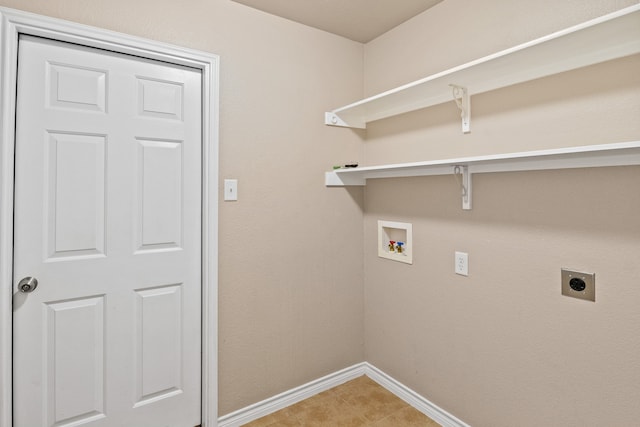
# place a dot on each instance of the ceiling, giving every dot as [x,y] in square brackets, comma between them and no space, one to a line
[359,20]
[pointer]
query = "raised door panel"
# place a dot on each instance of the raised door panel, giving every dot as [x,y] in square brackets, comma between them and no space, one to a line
[76,87]
[160,187]
[160,99]
[158,349]
[76,195]
[74,361]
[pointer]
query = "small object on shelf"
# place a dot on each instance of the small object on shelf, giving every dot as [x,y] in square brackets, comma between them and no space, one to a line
[392,246]
[348,165]
[399,247]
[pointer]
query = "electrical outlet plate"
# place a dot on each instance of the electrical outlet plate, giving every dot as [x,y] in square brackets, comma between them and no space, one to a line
[588,280]
[461,263]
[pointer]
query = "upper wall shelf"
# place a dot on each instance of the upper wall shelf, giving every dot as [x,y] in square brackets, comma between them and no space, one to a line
[618,154]
[608,37]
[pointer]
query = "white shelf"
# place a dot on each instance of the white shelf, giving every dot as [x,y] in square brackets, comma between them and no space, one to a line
[618,154]
[612,36]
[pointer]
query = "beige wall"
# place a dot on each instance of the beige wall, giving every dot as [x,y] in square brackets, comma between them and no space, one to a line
[502,347]
[499,348]
[594,105]
[290,251]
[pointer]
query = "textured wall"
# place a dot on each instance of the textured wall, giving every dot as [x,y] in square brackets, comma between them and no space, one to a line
[593,105]
[290,251]
[499,348]
[502,347]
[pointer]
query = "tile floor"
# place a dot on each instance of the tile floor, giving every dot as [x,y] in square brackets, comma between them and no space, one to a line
[359,402]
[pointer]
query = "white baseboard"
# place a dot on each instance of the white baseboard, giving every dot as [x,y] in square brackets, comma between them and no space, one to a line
[288,398]
[423,405]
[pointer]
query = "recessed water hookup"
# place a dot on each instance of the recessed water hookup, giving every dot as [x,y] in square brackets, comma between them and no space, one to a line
[395,241]
[396,247]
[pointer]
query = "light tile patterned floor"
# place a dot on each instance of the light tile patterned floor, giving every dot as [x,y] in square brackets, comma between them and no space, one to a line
[359,402]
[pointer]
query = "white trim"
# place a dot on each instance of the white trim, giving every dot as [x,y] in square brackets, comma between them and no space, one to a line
[295,395]
[12,24]
[288,398]
[430,409]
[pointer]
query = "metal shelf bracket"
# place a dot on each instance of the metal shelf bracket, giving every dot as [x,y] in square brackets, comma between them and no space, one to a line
[463,176]
[332,119]
[463,101]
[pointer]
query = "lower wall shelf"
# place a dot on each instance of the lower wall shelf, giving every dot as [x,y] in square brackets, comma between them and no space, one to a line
[618,154]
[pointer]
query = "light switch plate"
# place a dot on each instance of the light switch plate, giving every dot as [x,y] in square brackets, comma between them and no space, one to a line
[230,190]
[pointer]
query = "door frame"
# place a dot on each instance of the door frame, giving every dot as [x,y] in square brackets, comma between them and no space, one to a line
[12,24]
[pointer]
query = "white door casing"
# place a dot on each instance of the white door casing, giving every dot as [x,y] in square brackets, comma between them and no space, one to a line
[12,25]
[107,218]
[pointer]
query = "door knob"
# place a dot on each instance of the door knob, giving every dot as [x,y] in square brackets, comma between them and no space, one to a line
[28,284]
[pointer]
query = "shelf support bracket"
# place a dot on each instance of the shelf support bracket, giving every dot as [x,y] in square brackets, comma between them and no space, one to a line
[333,119]
[463,176]
[463,101]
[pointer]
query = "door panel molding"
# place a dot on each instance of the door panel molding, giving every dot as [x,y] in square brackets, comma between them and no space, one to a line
[13,23]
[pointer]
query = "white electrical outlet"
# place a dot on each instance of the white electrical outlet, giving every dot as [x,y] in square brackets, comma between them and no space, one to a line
[462,263]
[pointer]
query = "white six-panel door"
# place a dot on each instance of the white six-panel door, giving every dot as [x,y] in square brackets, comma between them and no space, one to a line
[108,219]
